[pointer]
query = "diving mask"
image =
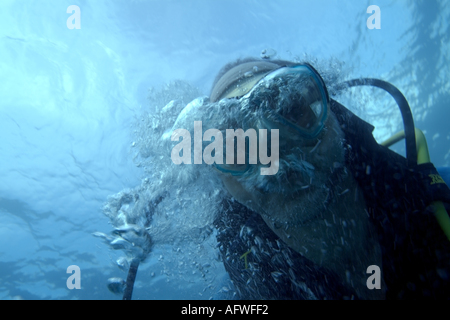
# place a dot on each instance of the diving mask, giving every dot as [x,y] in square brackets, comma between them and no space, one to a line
[293,99]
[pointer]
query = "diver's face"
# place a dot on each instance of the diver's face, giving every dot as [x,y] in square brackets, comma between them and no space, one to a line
[305,165]
[294,101]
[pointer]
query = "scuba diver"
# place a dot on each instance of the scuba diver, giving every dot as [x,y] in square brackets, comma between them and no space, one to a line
[339,203]
[341,217]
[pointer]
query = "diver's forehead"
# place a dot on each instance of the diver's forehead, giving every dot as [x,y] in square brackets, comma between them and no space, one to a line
[240,75]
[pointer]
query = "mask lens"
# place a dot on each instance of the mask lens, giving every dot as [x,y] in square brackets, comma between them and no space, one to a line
[303,109]
[236,168]
[297,95]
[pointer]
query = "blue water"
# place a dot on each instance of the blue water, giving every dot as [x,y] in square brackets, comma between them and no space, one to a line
[70,99]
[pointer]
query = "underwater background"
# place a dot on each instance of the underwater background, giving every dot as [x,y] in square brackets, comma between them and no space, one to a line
[72,100]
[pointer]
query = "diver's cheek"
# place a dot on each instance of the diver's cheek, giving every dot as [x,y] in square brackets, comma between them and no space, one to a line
[331,143]
[241,194]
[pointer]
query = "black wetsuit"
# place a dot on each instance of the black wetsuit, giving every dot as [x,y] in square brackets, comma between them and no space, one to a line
[415,251]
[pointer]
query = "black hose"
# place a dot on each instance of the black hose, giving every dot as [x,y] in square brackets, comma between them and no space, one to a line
[130,279]
[408,122]
[135,262]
